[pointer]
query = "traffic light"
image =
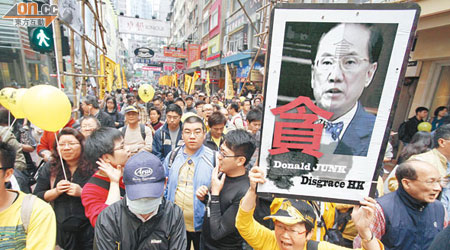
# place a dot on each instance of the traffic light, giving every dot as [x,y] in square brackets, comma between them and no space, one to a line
[41,38]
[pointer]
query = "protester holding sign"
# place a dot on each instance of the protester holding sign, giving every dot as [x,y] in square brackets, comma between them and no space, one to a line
[294,221]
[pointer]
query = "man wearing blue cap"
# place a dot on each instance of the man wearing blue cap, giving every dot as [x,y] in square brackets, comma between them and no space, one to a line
[143,219]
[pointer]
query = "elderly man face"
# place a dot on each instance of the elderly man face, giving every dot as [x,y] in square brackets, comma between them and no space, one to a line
[342,68]
[207,111]
[426,186]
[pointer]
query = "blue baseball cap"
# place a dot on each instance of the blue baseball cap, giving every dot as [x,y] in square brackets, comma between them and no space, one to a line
[144,176]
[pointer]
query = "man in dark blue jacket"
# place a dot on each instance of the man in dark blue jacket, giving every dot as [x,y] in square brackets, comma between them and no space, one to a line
[168,136]
[410,217]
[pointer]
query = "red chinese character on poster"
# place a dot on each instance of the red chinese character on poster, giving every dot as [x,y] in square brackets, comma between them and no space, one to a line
[301,131]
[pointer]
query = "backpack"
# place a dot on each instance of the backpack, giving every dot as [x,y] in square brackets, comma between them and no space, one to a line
[141,126]
[402,131]
[26,210]
[334,234]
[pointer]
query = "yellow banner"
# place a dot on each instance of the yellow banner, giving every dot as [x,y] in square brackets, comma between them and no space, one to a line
[192,87]
[110,65]
[228,84]
[101,86]
[118,82]
[125,83]
[187,82]
[208,82]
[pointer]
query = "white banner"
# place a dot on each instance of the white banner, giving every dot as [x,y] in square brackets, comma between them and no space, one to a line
[144,27]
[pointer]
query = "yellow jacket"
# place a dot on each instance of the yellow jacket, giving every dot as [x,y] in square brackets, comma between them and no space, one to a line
[262,238]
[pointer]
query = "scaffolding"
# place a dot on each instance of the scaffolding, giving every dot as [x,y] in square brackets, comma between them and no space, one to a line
[87,70]
[264,12]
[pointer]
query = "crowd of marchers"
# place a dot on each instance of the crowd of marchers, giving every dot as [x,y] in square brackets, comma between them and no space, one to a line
[181,171]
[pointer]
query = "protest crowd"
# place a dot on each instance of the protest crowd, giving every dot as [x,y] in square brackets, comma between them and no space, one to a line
[181,172]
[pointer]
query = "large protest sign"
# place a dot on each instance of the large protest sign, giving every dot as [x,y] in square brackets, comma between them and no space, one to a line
[332,80]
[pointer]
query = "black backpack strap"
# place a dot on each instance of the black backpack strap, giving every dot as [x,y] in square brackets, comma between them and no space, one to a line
[312,245]
[142,131]
[163,138]
[173,154]
[123,130]
[104,184]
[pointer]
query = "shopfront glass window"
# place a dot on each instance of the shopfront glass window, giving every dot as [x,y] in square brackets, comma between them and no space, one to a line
[442,94]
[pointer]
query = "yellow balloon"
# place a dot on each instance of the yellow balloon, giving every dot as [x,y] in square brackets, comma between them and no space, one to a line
[146,92]
[424,126]
[5,93]
[15,103]
[47,107]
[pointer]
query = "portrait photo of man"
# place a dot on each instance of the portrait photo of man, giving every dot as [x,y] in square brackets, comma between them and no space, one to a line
[344,65]
[338,66]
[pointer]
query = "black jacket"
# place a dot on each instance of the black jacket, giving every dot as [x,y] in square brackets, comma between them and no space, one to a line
[411,128]
[117,225]
[210,143]
[65,206]
[117,117]
[104,119]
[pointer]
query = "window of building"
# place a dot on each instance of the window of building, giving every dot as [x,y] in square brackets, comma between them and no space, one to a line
[205,27]
[236,42]
[213,49]
[214,19]
[236,4]
[441,96]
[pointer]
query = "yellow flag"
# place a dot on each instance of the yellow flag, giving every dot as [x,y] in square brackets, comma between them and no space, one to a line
[110,65]
[208,82]
[192,88]
[187,82]
[118,81]
[101,86]
[228,84]
[176,80]
[125,84]
[168,81]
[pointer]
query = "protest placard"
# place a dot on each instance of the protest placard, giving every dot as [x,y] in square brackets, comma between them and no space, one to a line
[332,81]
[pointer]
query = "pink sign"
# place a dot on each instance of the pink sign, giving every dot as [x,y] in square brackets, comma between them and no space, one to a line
[151,68]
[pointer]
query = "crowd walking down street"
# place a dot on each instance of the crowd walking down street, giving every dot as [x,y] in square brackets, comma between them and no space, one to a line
[224,125]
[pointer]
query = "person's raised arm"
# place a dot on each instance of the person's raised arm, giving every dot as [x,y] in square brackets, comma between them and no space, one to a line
[256,175]
[363,217]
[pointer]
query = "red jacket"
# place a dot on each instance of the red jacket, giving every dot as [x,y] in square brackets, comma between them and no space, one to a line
[94,195]
[48,138]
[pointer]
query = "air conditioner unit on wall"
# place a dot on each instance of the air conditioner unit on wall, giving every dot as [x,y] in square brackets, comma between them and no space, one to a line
[413,69]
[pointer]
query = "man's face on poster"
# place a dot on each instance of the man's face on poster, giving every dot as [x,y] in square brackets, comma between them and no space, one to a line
[342,69]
